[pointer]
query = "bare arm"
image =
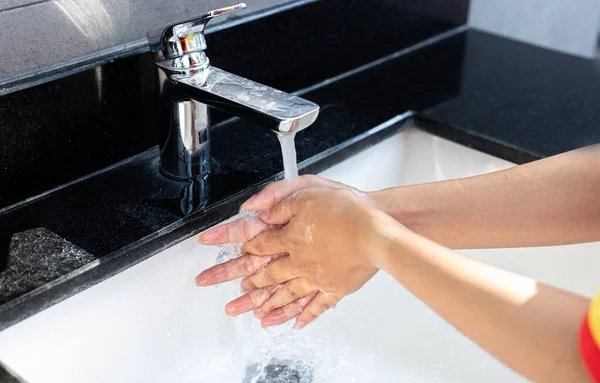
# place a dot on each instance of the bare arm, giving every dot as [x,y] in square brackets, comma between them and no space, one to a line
[529,326]
[552,201]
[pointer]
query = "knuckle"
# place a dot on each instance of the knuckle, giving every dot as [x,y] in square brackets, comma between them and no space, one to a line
[251,264]
[259,245]
[290,292]
[270,188]
[269,277]
[291,311]
[285,242]
[268,306]
[257,296]
[245,229]
[273,289]
[248,284]
[228,232]
[325,303]
[310,313]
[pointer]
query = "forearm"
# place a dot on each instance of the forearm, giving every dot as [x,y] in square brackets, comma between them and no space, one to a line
[530,327]
[548,202]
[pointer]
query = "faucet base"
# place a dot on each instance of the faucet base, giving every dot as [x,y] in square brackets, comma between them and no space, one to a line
[185,148]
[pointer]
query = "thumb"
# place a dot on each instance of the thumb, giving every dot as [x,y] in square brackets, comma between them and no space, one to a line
[276,191]
[283,211]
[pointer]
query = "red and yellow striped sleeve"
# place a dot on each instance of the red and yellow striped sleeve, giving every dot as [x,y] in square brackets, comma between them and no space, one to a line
[589,339]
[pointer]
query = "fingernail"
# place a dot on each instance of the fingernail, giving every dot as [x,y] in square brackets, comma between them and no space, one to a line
[210,277]
[265,324]
[301,324]
[230,310]
[272,320]
[207,237]
[246,289]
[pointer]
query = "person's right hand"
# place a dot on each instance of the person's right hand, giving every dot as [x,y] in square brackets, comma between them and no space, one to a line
[243,230]
[332,240]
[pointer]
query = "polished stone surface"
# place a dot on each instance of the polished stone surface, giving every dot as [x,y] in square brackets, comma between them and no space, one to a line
[536,100]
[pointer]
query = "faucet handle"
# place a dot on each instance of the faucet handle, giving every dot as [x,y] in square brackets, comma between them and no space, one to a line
[184,37]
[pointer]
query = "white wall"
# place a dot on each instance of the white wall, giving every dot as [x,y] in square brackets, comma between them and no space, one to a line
[569,26]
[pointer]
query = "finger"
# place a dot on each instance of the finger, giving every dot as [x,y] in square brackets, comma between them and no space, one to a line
[290,292]
[287,312]
[276,191]
[276,273]
[283,211]
[252,300]
[240,230]
[267,243]
[321,303]
[235,268]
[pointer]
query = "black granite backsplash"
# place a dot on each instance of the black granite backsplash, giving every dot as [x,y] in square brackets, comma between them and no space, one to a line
[59,131]
[65,129]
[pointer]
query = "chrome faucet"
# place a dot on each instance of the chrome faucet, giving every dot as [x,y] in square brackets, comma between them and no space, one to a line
[188,85]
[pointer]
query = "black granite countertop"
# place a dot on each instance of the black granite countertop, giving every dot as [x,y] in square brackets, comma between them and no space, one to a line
[506,98]
[535,100]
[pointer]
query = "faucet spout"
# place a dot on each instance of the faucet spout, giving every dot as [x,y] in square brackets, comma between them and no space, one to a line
[272,108]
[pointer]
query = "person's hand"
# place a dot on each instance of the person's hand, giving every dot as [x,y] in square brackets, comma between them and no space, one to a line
[331,240]
[243,230]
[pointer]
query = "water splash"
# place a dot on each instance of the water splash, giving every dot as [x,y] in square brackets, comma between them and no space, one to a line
[270,369]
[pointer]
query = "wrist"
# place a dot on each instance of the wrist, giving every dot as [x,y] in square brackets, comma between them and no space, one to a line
[405,204]
[387,235]
[377,200]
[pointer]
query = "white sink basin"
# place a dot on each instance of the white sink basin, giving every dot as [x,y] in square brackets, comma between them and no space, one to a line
[151,324]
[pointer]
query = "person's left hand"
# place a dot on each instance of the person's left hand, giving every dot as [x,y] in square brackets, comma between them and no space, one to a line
[329,240]
[243,230]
